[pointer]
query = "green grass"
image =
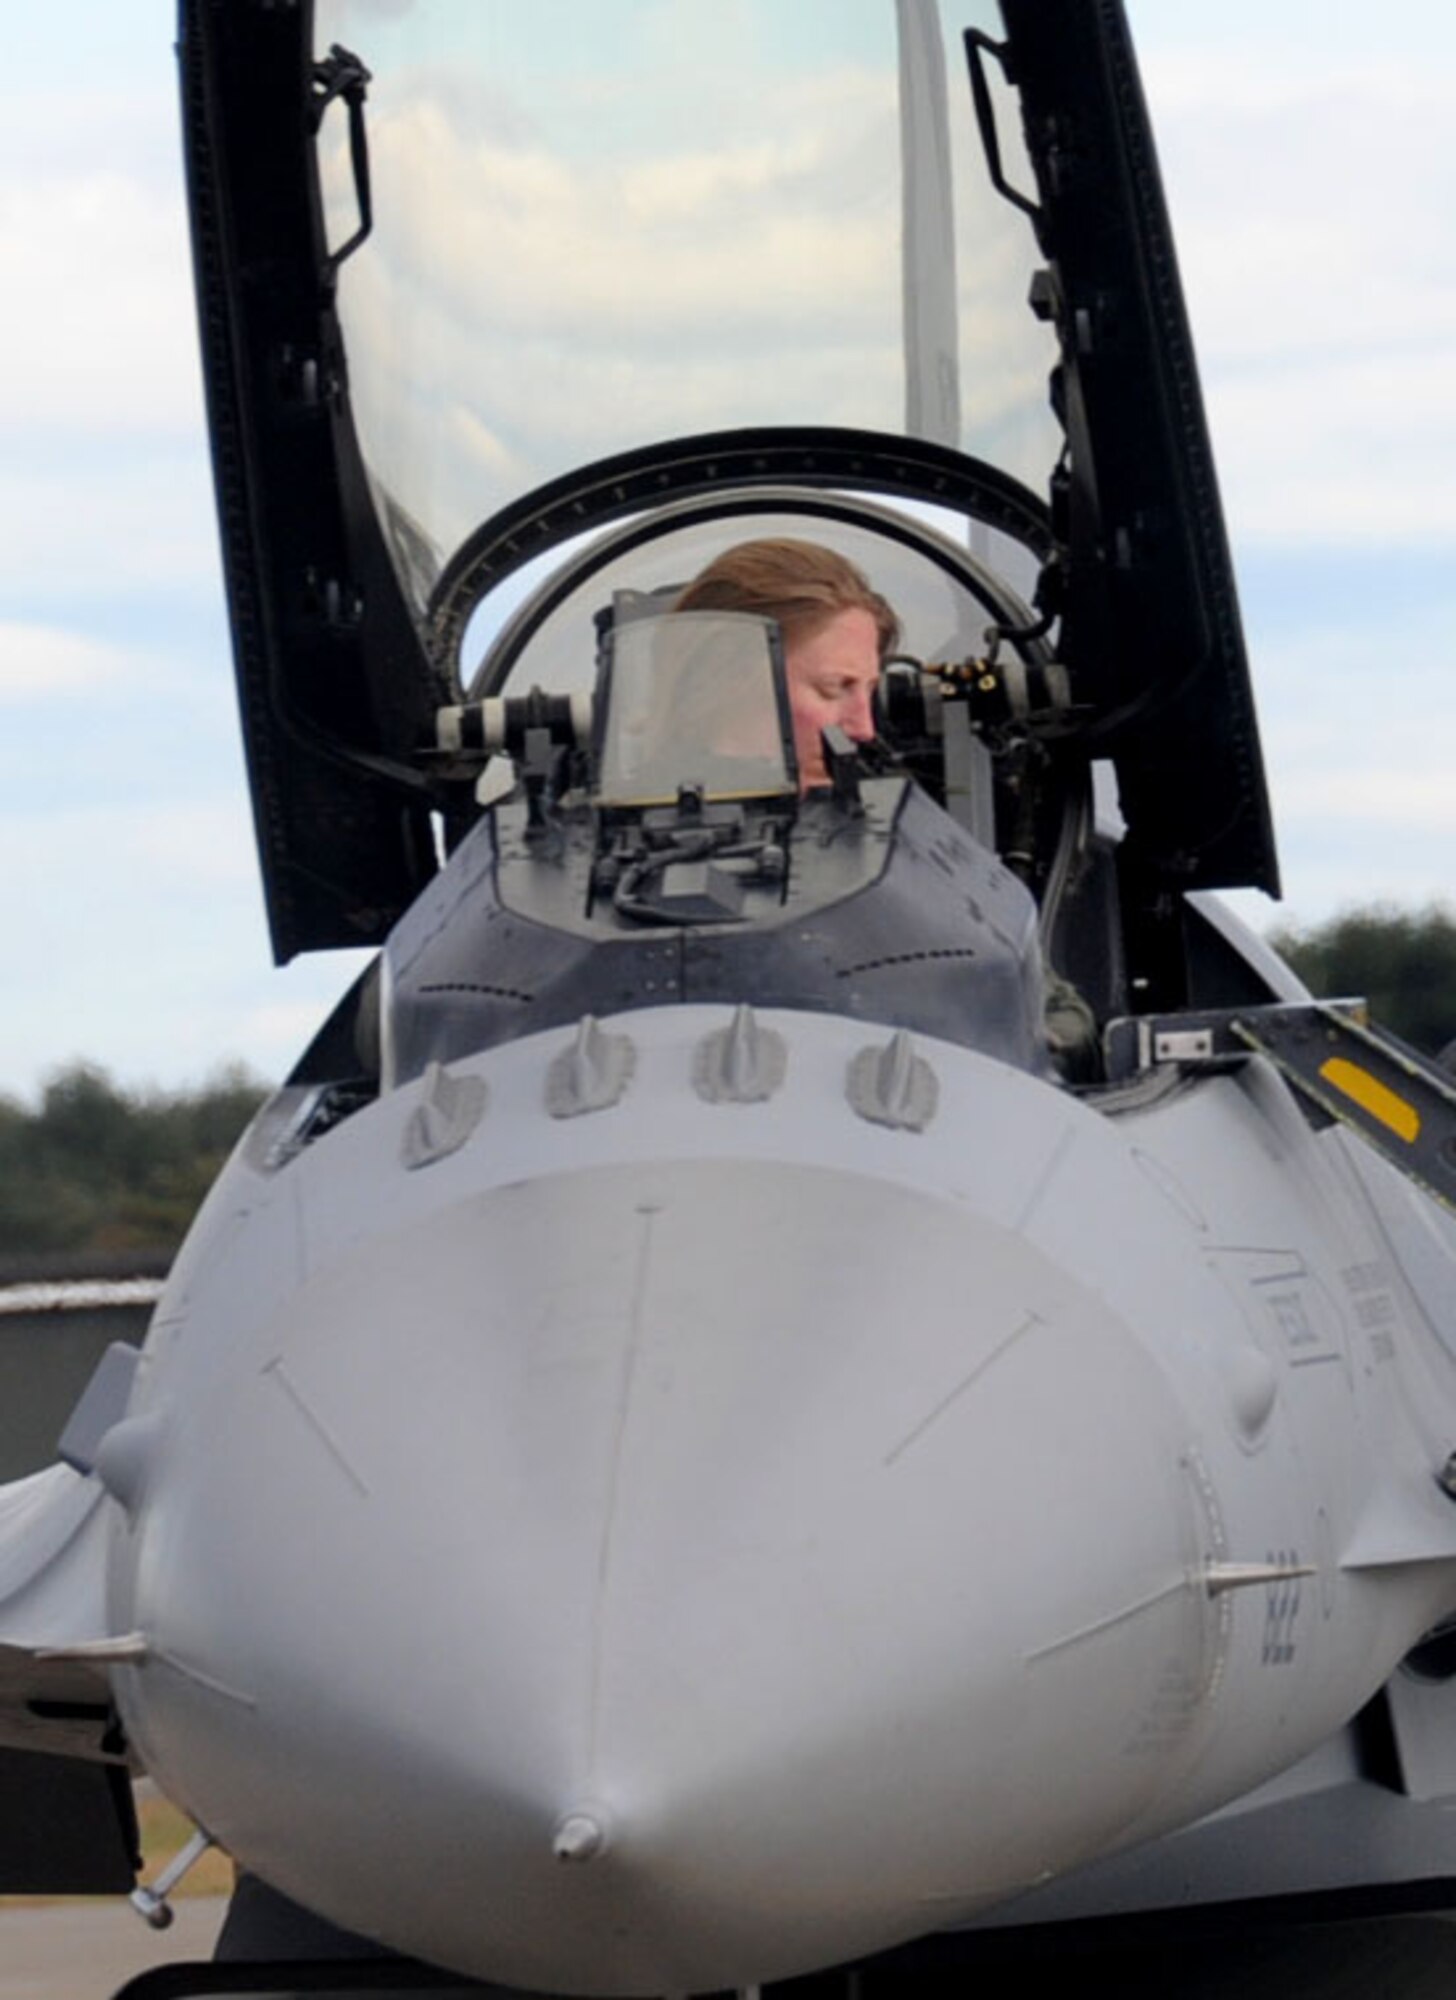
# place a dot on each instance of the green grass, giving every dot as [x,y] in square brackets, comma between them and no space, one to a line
[164,1829]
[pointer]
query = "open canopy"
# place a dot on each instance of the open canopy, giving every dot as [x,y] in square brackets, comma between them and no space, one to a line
[596,226]
[475,281]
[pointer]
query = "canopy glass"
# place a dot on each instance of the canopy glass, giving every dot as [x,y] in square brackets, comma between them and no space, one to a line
[596,226]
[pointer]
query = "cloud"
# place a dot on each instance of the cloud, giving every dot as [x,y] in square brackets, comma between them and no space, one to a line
[1340,450]
[127,914]
[278,1029]
[1307,197]
[1353,689]
[107,520]
[145,946]
[781,222]
[98,337]
[1383,795]
[161,851]
[341,18]
[561,304]
[47,662]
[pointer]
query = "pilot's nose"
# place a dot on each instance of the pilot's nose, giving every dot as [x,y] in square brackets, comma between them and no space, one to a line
[858,721]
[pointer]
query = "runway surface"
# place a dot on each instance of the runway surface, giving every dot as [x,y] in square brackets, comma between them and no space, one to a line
[82,1950]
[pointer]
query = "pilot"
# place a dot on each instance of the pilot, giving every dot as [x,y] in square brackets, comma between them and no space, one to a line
[837,633]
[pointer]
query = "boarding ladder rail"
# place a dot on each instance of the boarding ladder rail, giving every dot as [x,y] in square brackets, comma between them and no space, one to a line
[1398,1100]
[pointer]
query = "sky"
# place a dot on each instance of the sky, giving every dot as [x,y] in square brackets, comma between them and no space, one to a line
[1311,188]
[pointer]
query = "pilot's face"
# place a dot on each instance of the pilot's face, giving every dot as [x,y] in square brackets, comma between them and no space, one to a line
[832,671]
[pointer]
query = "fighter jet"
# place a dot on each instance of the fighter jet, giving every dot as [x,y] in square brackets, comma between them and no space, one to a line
[826,1365]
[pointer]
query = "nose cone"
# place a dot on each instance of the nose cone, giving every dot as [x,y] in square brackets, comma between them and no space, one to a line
[646,1580]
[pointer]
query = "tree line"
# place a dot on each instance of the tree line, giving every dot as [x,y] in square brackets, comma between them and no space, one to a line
[1402,961]
[99,1169]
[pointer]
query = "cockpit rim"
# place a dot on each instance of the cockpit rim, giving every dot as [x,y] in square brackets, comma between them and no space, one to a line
[805,460]
[1003,606]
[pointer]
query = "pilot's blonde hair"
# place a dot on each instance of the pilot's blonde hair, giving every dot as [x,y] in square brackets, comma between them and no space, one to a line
[799,584]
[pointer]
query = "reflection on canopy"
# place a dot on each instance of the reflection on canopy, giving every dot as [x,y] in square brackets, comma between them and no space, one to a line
[596,227]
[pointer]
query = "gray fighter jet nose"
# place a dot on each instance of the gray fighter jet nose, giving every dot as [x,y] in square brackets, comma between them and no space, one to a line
[654,1577]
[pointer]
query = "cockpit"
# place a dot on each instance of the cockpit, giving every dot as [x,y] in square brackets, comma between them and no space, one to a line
[596,300]
[957,609]
[635,825]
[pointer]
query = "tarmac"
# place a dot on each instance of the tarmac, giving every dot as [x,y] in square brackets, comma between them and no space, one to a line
[85,1950]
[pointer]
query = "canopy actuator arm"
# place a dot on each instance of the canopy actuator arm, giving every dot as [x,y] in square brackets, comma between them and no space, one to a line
[979,43]
[342,74]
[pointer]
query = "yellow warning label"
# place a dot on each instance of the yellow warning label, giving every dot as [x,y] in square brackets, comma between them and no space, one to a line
[1373,1096]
